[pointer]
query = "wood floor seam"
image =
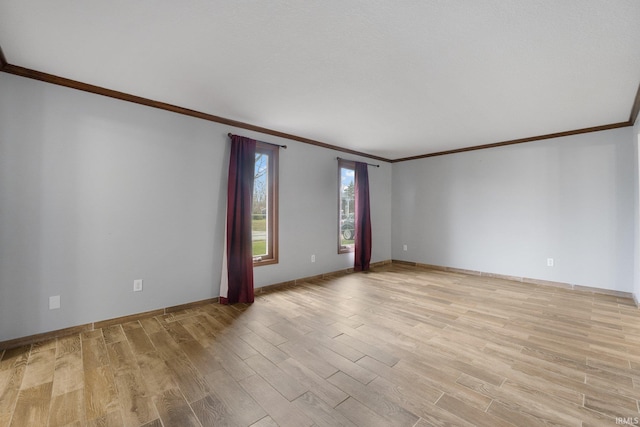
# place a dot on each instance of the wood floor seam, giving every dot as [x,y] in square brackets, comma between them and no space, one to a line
[400,345]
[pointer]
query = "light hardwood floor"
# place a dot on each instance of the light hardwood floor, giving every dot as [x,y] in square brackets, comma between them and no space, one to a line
[398,346]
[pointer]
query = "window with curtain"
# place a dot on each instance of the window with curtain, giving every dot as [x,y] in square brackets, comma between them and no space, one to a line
[346,206]
[264,224]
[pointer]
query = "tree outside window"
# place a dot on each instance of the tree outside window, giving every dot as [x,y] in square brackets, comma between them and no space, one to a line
[264,225]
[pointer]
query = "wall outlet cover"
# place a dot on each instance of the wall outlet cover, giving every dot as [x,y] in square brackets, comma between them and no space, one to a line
[54,302]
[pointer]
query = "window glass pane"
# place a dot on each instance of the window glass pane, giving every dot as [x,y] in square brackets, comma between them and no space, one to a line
[264,209]
[260,210]
[347,207]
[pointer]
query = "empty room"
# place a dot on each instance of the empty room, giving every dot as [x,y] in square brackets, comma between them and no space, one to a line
[319,213]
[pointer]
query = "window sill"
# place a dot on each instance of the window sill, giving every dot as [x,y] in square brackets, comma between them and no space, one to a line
[261,262]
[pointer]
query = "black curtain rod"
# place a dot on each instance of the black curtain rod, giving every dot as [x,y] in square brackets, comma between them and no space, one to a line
[270,143]
[369,164]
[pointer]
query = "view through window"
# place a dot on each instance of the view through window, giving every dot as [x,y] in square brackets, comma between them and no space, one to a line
[264,224]
[346,206]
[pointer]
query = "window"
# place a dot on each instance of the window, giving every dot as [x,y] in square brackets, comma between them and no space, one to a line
[346,205]
[264,224]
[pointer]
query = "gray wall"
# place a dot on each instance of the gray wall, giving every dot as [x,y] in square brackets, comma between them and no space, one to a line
[506,210]
[96,192]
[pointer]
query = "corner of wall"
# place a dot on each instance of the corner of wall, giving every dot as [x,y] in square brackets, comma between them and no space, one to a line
[636,258]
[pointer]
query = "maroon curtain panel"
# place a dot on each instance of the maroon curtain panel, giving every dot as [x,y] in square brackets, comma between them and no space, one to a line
[363,219]
[239,204]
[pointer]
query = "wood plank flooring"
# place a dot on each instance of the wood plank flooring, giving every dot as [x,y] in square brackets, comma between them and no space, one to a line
[398,346]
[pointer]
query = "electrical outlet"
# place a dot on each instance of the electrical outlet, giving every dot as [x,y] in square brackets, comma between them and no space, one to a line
[54,302]
[550,262]
[313,258]
[137,285]
[404,248]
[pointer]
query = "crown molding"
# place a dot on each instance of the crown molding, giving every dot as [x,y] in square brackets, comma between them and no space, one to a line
[74,84]
[635,109]
[6,67]
[517,141]
[3,60]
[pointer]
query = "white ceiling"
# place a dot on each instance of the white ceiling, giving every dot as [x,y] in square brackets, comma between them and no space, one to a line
[388,78]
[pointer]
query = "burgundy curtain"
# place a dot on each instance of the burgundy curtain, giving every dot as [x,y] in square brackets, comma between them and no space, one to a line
[237,286]
[363,219]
